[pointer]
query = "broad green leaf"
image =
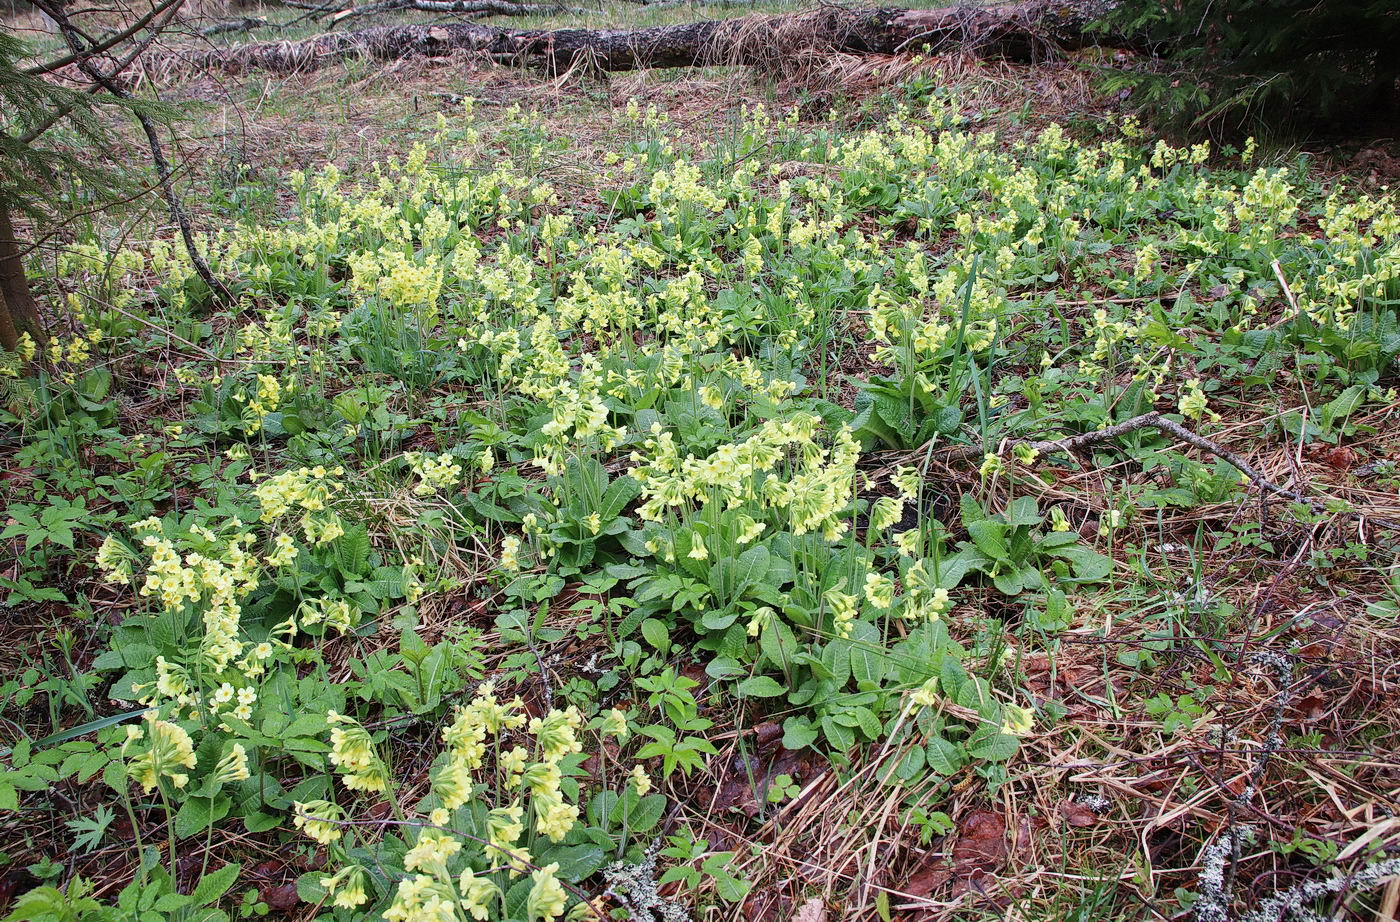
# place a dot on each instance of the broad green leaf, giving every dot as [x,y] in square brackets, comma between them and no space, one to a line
[944,756]
[215,884]
[995,747]
[657,634]
[760,686]
[798,733]
[990,537]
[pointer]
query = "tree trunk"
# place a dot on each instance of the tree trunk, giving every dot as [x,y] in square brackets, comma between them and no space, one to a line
[18,312]
[1024,31]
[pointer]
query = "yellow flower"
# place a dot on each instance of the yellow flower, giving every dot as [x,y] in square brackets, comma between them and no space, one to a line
[926,695]
[285,552]
[233,767]
[431,853]
[477,894]
[422,899]
[374,779]
[887,512]
[351,747]
[504,826]
[879,590]
[510,554]
[452,783]
[555,733]
[761,618]
[554,817]
[843,611]
[1017,720]
[615,723]
[169,749]
[114,558]
[1193,403]
[546,900]
[347,886]
[319,819]
[640,780]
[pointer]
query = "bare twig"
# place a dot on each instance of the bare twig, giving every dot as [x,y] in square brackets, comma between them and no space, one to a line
[1153,420]
[107,43]
[83,57]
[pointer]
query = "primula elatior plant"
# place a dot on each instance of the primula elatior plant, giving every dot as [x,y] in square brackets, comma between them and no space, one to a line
[487,508]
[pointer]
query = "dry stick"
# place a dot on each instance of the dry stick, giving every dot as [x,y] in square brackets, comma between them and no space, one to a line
[1155,420]
[163,172]
[106,43]
[39,130]
[244,24]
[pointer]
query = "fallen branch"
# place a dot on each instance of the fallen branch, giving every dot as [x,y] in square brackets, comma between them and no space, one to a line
[242,24]
[1155,420]
[83,57]
[1025,31]
[459,7]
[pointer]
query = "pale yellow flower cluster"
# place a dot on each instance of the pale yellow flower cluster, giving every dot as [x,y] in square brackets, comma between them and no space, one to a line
[434,472]
[782,467]
[444,881]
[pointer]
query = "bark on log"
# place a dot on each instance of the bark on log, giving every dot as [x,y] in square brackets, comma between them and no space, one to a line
[1024,31]
[241,24]
[457,7]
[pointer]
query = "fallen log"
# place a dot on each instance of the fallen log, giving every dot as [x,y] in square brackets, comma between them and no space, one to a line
[457,7]
[240,24]
[1025,31]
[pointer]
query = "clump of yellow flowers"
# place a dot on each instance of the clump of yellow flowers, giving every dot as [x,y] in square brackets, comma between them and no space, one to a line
[434,472]
[206,573]
[497,759]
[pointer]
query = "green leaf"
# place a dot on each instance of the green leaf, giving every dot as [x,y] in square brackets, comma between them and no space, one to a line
[1008,582]
[760,686]
[198,813]
[869,723]
[798,733]
[910,764]
[946,420]
[352,552]
[778,643]
[951,676]
[92,726]
[996,747]
[1342,406]
[575,861]
[214,885]
[1087,564]
[836,656]
[644,814]
[1022,511]
[990,537]
[309,887]
[895,413]
[619,493]
[943,756]
[657,634]
[841,738]
[867,657]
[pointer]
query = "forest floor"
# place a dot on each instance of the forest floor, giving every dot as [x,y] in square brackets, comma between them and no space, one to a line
[518,364]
